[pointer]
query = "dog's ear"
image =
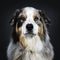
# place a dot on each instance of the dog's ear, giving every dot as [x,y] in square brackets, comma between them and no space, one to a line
[14,17]
[45,17]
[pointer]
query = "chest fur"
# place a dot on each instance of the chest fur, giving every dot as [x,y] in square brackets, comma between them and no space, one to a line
[34,44]
[33,56]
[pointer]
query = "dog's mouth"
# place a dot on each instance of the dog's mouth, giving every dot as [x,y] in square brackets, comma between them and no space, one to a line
[29,34]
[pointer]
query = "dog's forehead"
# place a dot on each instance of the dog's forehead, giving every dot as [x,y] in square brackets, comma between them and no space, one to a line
[29,11]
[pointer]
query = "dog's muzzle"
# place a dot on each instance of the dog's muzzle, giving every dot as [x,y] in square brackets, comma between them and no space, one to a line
[29,28]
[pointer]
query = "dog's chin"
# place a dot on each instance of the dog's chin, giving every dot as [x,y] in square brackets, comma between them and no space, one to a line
[29,34]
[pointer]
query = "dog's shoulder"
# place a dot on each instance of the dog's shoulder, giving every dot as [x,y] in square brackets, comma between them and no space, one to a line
[13,48]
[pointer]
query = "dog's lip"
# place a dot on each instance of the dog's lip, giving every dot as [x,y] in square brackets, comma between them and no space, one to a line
[29,33]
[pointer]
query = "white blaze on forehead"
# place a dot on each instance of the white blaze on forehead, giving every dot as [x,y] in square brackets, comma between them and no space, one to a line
[30,11]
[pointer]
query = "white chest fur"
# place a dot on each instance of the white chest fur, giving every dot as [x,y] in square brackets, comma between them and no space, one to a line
[33,56]
[34,44]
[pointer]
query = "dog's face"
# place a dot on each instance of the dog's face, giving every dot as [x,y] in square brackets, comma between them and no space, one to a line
[29,22]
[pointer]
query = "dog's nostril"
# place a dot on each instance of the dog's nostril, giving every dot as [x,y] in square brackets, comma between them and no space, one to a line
[29,27]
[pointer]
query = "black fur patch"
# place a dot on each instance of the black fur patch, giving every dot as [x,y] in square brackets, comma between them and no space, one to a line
[15,35]
[15,18]
[45,17]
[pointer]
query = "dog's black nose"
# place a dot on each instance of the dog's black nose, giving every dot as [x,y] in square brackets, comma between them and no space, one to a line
[29,27]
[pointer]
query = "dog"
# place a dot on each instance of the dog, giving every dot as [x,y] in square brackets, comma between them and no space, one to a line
[30,38]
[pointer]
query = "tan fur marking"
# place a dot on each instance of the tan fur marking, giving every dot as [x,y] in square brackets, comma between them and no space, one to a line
[35,15]
[21,38]
[40,30]
[18,30]
[22,41]
[23,15]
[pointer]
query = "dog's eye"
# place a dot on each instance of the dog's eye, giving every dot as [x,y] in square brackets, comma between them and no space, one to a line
[22,19]
[36,18]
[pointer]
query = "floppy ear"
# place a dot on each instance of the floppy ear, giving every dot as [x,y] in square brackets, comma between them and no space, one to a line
[45,17]
[14,17]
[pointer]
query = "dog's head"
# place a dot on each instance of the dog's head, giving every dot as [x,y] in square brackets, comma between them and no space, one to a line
[29,22]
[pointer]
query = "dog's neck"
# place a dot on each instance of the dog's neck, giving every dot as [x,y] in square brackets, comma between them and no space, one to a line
[33,43]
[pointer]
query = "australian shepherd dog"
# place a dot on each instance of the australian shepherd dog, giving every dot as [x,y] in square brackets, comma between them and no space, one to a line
[30,39]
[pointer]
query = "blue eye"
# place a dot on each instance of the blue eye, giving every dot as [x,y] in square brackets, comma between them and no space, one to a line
[21,19]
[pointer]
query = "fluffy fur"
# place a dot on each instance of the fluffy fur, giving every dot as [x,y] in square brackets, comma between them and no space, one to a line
[30,39]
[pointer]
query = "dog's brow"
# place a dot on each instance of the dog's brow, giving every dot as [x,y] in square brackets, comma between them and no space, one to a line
[24,15]
[35,15]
